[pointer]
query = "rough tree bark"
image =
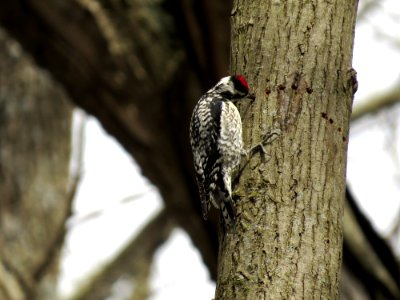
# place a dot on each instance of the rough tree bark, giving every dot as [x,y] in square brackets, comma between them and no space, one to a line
[35,121]
[139,66]
[287,243]
[126,63]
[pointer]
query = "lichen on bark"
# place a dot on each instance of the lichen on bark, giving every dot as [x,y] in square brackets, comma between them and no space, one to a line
[287,242]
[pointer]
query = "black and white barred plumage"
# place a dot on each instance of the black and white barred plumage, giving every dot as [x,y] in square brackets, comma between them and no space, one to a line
[216,140]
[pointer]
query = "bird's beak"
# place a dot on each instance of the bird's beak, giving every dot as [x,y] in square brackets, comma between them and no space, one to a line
[251,96]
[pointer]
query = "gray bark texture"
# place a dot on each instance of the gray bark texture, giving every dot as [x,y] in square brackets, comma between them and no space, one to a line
[34,155]
[139,68]
[287,243]
[125,63]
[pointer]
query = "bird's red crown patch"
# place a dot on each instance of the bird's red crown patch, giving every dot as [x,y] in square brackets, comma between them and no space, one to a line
[243,81]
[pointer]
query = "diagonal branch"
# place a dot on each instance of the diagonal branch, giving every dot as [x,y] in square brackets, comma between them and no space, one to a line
[376,103]
[367,256]
[120,62]
[133,262]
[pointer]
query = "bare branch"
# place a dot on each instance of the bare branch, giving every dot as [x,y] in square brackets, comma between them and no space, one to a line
[394,232]
[75,165]
[376,103]
[133,262]
[142,93]
[367,256]
[365,8]
[87,216]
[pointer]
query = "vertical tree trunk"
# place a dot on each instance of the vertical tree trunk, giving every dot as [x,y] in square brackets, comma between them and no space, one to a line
[287,243]
[34,156]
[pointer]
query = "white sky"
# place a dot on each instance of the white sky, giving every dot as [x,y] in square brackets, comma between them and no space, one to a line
[371,169]
[104,222]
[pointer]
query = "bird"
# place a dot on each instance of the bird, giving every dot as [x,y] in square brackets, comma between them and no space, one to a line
[217,144]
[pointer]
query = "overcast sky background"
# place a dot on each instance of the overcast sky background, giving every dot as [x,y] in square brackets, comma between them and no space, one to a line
[105,217]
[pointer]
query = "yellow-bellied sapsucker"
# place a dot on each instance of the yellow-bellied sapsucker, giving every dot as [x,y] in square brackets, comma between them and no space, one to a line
[216,140]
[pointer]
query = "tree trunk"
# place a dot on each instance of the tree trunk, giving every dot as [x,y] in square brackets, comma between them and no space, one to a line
[287,243]
[140,66]
[34,157]
[126,63]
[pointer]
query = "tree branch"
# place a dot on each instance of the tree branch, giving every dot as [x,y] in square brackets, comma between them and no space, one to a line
[375,103]
[367,255]
[120,62]
[133,262]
